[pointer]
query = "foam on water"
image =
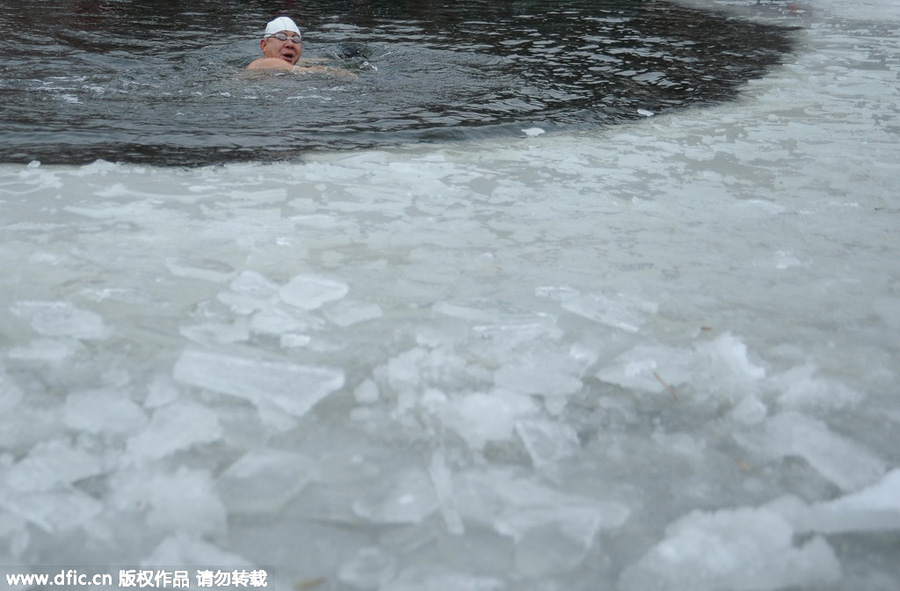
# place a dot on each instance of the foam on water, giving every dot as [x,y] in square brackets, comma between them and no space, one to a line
[659,356]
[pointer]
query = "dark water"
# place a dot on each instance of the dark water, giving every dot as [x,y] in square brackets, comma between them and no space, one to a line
[163,82]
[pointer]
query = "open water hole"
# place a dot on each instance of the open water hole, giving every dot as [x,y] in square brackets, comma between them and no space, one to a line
[163,83]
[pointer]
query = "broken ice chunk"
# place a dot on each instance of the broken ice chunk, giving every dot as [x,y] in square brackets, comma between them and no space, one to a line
[847,464]
[274,321]
[795,511]
[102,411]
[683,444]
[309,292]
[216,333]
[245,197]
[557,527]
[803,390]
[294,340]
[262,481]
[547,442]
[640,368]
[14,532]
[441,477]
[10,393]
[49,350]
[51,464]
[876,508]
[175,427]
[726,358]
[293,388]
[182,501]
[536,379]
[441,368]
[500,324]
[718,369]
[160,392]
[620,311]
[475,312]
[180,550]
[249,292]
[61,319]
[483,417]
[740,549]
[53,511]
[200,268]
[369,569]
[550,538]
[431,579]
[367,392]
[346,313]
[545,549]
[411,499]
[749,411]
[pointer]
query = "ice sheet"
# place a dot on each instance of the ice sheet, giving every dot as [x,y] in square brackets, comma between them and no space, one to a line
[845,463]
[876,508]
[290,387]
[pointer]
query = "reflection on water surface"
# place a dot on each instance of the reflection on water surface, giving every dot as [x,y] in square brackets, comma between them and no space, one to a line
[163,83]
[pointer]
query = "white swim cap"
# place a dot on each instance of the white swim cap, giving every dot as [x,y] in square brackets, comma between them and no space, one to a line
[282,23]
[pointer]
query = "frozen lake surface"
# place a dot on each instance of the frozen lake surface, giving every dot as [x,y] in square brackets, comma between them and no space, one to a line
[657,356]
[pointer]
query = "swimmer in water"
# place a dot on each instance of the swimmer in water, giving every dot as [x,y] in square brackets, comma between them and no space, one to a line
[281,46]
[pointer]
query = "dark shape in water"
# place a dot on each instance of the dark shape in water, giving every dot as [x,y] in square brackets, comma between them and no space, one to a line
[163,83]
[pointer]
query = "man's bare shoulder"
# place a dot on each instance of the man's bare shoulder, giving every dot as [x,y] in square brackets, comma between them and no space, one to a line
[269,63]
[312,65]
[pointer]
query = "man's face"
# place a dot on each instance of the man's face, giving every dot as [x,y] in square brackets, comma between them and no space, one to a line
[286,50]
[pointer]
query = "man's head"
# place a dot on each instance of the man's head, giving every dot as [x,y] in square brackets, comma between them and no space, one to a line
[282,40]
